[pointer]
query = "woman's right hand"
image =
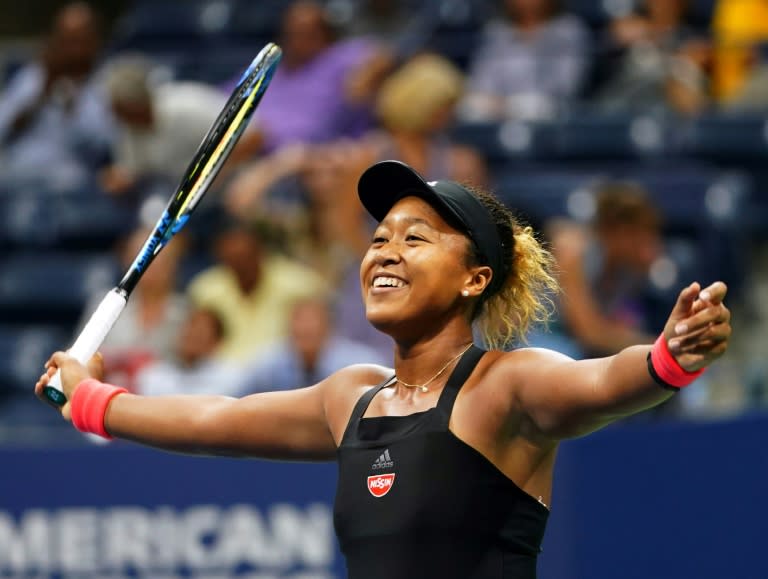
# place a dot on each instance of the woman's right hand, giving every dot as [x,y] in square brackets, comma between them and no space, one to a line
[72,373]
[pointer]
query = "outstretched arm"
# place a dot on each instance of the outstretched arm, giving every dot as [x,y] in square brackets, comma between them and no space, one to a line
[291,425]
[283,425]
[567,398]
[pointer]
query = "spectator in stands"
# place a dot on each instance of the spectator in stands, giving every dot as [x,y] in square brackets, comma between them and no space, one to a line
[604,272]
[162,125]
[308,192]
[399,30]
[528,64]
[415,108]
[52,113]
[311,351]
[306,100]
[151,320]
[664,63]
[740,71]
[251,287]
[195,367]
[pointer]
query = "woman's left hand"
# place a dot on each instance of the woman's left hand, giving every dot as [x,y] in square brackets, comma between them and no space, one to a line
[699,326]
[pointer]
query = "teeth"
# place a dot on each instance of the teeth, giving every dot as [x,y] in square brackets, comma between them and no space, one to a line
[382,281]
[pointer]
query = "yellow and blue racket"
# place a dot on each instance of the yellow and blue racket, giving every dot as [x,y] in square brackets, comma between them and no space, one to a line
[208,160]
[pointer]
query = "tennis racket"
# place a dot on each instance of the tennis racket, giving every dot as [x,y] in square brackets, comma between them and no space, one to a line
[202,170]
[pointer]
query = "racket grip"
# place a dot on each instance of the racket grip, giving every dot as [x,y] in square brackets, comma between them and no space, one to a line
[90,339]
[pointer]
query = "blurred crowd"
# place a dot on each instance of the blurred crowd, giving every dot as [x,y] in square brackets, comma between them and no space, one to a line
[262,292]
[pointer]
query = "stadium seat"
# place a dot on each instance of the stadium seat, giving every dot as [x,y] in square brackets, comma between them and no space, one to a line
[24,350]
[257,19]
[540,195]
[598,13]
[175,34]
[227,60]
[52,287]
[700,13]
[577,136]
[149,23]
[584,134]
[458,27]
[722,137]
[39,219]
[503,142]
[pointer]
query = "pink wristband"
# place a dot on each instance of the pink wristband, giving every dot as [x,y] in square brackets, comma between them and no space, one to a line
[89,405]
[666,368]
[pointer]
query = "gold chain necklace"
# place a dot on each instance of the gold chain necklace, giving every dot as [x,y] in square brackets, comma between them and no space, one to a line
[423,387]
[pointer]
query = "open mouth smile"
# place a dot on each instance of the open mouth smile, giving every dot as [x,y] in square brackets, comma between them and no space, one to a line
[387,283]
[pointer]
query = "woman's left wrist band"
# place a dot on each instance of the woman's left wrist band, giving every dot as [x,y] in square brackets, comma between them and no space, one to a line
[89,406]
[665,370]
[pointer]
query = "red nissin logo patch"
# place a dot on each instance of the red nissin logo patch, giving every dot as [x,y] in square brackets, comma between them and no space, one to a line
[379,484]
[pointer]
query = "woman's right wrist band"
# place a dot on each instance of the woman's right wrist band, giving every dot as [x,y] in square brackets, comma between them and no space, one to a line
[665,370]
[89,406]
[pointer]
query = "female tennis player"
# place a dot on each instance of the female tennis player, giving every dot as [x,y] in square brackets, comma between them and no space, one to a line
[445,462]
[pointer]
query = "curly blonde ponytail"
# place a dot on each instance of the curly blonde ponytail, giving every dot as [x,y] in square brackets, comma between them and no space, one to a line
[526,295]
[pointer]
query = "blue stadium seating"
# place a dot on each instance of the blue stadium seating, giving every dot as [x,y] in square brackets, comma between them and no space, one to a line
[700,13]
[597,13]
[689,195]
[586,135]
[260,19]
[53,287]
[152,23]
[178,34]
[24,350]
[577,136]
[458,25]
[35,218]
[727,137]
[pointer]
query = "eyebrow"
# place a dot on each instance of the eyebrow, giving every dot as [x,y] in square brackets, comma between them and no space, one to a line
[408,221]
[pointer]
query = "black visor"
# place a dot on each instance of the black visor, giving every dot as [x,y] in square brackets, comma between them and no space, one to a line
[385,183]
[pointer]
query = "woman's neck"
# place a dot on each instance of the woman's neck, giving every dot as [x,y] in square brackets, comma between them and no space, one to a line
[417,363]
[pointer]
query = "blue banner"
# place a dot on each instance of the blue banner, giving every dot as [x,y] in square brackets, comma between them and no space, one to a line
[124,511]
[668,501]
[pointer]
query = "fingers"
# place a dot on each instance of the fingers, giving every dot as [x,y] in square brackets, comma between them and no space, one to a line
[42,382]
[715,293]
[705,338]
[699,334]
[685,300]
[96,366]
[57,359]
[52,365]
[702,319]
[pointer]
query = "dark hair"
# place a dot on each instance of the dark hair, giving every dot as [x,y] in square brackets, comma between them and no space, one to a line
[505,221]
[524,295]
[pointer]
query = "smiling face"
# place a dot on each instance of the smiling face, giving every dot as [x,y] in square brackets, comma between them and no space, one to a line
[415,270]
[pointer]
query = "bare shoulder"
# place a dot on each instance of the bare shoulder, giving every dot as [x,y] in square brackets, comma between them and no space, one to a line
[356,376]
[522,365]
[343,388]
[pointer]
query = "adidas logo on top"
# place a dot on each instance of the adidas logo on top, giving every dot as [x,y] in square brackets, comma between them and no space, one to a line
[384,461]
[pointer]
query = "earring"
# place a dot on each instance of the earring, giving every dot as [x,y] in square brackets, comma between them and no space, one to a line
[465,293]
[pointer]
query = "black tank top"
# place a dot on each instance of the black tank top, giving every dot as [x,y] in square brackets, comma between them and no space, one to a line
[415,502]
